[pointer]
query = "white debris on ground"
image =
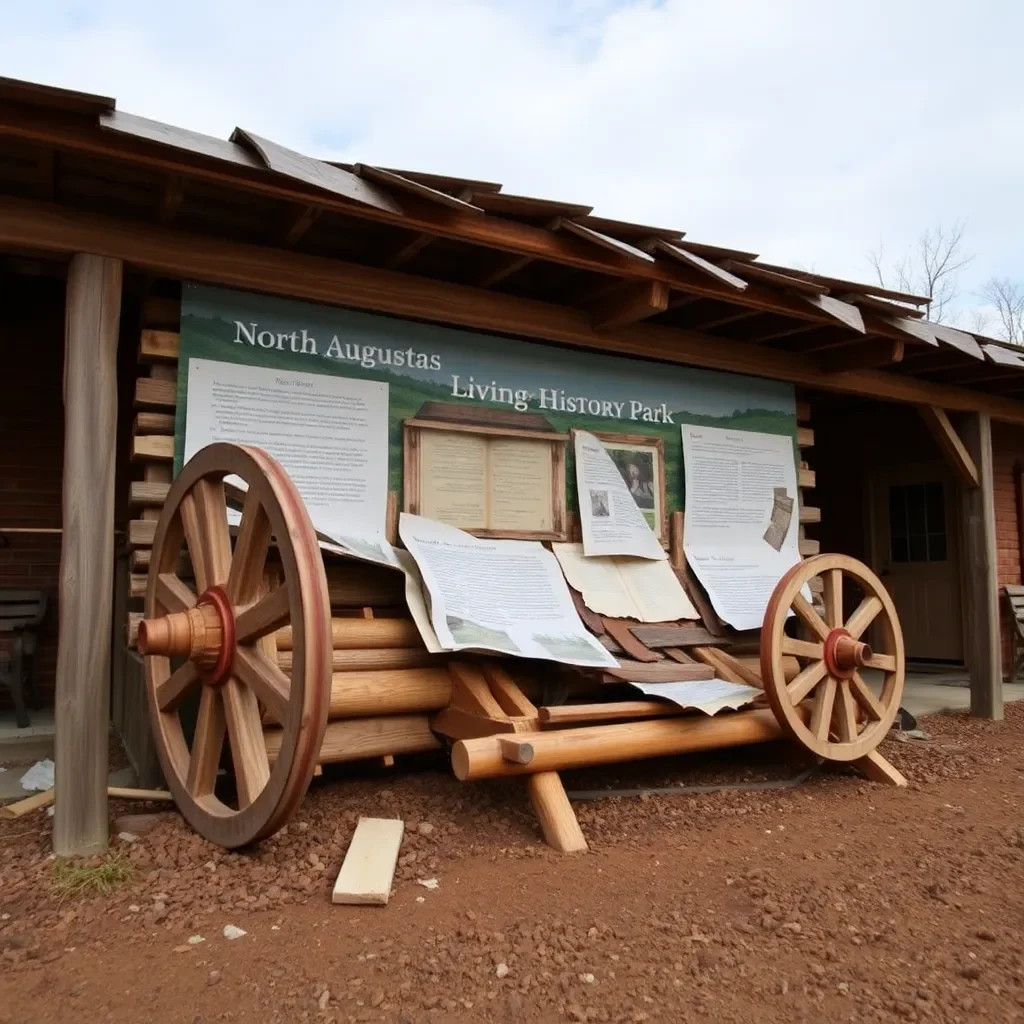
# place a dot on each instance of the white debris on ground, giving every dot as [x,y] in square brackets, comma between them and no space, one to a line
[39,777]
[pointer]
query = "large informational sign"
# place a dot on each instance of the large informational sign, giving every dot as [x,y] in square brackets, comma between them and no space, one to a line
[424,365]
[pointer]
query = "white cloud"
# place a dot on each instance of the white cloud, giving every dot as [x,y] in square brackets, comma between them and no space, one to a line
[802,130]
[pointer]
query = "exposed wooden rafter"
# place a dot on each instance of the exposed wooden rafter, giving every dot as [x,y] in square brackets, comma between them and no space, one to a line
[721,319]
[171,198]
[948,439]
[407,250]
[168,252]
[297,226]
[506,267]
[862,355]
[630,304]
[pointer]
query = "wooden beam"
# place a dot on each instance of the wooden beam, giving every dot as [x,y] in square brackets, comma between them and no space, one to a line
[980,570]
[629,305]
[949,441]
[783,332]
[172,253]
[408,250]
[81,711]
[171,199]
[720,319]
[304,180]
[299,224]
[506,267]
[862,355]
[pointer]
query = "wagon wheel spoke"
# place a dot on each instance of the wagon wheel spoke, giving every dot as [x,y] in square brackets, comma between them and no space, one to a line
[177,687]
[194,542]
[821,715]
[811,618]
[251,547]
[173,594]
[212,513]
[865,698]
[245,735]
[802,648]
[846,714]
[806,681]
[267,614]
[883,662]
[864,614]
[206,744]
[270,685]
[833,579]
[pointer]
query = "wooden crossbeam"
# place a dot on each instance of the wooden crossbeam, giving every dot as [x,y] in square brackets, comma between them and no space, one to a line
[506,267]
[298,225]
[864,355]
[629,305]
[720,320]
[953,448]
[408,250]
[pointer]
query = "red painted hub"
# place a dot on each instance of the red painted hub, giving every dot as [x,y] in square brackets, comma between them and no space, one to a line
[843,655]
[217,597]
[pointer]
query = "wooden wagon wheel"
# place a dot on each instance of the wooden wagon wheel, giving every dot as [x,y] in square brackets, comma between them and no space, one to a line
[214,632]
[828,707]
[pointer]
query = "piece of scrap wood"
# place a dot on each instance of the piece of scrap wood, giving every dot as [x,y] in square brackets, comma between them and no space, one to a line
[126,793]
[369,866]
[619,630]
[30,803]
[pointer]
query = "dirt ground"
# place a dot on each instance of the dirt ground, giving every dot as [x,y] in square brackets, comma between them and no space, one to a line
[835,900]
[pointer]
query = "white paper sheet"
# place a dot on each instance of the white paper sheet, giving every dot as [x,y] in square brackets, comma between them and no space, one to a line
[498,595]
[625,588]
[709,696]
[329,433]
[416,599]
[738,484]
[611,521]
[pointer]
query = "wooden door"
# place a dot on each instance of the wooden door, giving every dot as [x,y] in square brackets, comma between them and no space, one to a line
[915,550]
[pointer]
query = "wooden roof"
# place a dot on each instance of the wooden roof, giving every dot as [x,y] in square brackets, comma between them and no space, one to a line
[78,152]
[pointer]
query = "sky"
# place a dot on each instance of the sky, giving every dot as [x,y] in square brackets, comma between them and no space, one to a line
[808,131]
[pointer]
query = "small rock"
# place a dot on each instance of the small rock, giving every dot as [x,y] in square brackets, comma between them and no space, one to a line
[210,866]
[587,979]
[127,837]
[985,935]
[377,998]
[231,932]
[213,978]
[325,998]
[501,970]
[425,828]
[428,883]
[971,972]
[134,908]
[195,940]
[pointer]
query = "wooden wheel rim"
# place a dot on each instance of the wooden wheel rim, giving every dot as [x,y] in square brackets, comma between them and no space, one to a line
[832,713]
[231,710]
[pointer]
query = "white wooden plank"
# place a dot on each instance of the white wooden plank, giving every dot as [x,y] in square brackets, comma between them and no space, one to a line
[369,866]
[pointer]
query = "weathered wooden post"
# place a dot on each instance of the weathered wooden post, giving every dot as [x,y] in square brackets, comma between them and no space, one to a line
[981,597]
[93,310]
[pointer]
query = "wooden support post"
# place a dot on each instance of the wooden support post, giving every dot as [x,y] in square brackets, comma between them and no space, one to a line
[554,812]
[981,597]
[82,706]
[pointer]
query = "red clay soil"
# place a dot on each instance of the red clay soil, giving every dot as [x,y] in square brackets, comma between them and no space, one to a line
[837,900]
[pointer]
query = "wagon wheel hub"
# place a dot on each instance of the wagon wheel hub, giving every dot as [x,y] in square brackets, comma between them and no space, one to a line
[205,634]
[843,655]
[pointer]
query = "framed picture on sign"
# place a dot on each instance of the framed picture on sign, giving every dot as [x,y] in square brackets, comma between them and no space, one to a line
[641,461]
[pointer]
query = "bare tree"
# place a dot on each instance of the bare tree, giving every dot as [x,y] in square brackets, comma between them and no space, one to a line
[1006,298]
[931,268]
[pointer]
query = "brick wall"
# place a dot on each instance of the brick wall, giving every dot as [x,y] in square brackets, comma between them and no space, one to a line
[1007,451]
[31,445]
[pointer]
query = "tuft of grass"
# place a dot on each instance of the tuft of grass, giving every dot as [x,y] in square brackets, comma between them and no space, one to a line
[73,881]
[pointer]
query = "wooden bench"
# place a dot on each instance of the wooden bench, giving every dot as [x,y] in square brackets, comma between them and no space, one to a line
[21,616]
[1013,602]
